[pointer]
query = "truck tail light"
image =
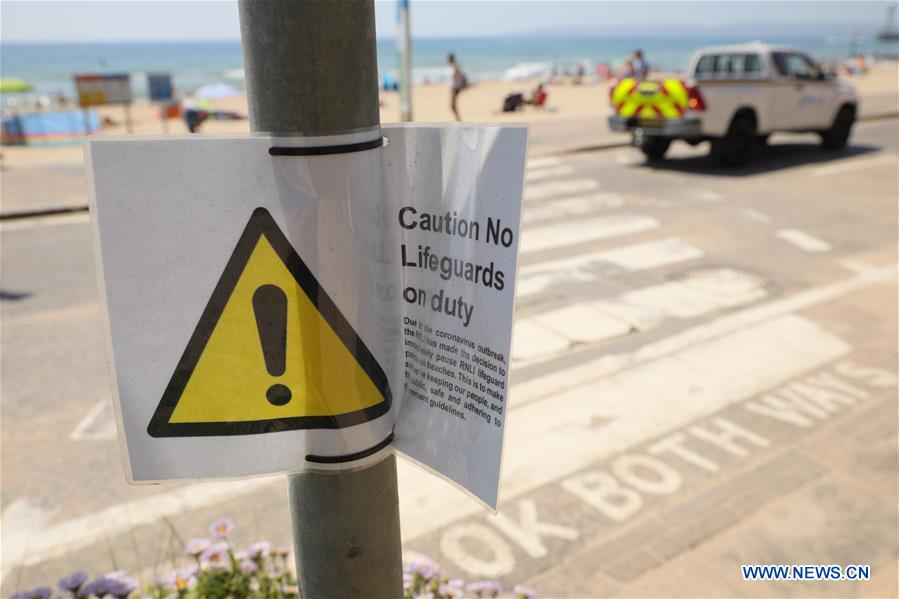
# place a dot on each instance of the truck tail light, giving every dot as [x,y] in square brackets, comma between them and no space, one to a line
[694,99]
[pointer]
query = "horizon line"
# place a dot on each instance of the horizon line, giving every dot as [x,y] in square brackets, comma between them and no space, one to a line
[582,35]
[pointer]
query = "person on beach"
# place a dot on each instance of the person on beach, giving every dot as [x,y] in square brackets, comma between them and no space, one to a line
[538,97]
[640,66]
[193,116]
[457,83]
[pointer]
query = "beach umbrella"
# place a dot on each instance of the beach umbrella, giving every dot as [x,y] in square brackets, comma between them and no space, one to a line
[216,91]
[14,85]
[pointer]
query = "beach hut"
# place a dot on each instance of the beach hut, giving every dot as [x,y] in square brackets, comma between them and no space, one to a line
[48,128]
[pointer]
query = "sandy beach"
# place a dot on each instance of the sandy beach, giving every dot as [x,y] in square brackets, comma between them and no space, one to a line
[480,103]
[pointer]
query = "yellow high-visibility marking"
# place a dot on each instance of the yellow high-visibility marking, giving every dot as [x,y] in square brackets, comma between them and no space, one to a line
[643,99]
[223,384]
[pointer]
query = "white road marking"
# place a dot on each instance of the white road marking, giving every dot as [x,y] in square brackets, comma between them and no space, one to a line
[593,229]
[689,298]
[573,206]
[804,241]
[22,524]
[535,390]
[423,495]
[854,165]
[548,173]
[641,309]
[709,195]
[48,542]
[756,215]
[556,436]
[533,339]
[626,158]
[580,323]
[535,163]
[552,189]
[651,254]
[537,278]
[858,267]
[97,425]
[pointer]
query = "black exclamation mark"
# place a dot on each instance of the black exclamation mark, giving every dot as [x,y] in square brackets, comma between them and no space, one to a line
[270,308]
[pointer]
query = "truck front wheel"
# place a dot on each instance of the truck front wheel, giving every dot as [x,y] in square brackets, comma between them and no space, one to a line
[837,136]
[733,149]
[654,147]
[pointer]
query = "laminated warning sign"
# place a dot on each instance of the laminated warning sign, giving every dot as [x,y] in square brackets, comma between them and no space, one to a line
[273,306]
[269,304]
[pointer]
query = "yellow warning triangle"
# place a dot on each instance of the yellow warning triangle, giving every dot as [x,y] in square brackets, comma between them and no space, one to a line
[271,352]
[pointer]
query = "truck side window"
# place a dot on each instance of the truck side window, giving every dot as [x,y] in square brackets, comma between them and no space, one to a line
[803,67]
[705,67]
[780,61]
[797,66]
[752,65]
[735,66]
[719,68]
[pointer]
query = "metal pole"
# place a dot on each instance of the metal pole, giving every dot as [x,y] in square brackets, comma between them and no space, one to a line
[128,127]
[311,70]
[164,114]
[404,47]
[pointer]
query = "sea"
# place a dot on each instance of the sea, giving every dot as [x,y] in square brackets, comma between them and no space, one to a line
[49,67]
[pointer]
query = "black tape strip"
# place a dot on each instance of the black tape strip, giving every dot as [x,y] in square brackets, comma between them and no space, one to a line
[325,150]
[337,459]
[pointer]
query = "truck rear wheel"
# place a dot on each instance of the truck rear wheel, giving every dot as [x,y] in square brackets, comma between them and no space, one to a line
[837,136]
[654,147]
[733,149]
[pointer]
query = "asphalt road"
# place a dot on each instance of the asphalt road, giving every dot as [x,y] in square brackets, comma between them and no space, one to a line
[704,376]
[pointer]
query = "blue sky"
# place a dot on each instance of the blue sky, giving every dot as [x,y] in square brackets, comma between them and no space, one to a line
[79,20]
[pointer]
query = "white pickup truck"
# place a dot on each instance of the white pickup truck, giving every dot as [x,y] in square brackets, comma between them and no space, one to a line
[736,96]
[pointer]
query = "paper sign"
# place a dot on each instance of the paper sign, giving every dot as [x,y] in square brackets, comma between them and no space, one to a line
[97,90]
[159,87]
[455,198]
[275,313]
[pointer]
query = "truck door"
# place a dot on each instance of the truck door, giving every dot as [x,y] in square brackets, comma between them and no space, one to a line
[800,93]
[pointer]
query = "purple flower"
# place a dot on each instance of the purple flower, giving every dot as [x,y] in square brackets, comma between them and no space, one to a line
[248,567]
[260,549]
[281,551]
[450,591]
[116,583]
[215,557]
[38,593]
[120,586]
[486,588]
[221,528]
[96,587]
[180,580]
[424,567]
[73,582]
[197,546]
[523,592]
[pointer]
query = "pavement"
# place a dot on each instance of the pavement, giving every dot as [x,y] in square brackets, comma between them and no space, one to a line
[59,186]
[703,376]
